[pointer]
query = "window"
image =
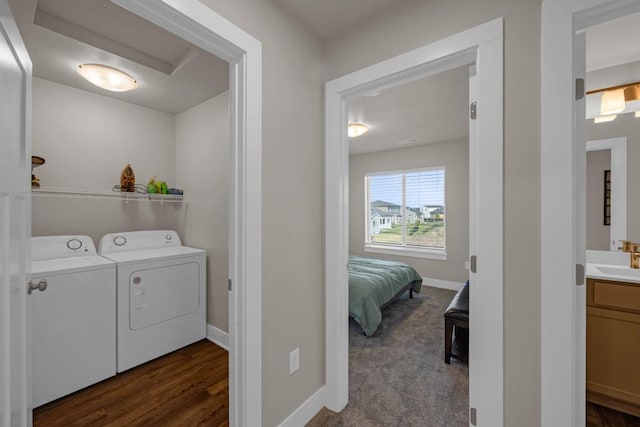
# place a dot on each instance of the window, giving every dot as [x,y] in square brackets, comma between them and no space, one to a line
[405,212]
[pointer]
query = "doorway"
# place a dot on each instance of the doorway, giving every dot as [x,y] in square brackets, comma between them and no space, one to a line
[481,46]
[563,232]
[204,28]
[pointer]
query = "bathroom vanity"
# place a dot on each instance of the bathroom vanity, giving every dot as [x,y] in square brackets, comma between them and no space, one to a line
[613,337]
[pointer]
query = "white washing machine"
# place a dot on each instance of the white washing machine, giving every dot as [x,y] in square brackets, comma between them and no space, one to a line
[161,294]
[73,316]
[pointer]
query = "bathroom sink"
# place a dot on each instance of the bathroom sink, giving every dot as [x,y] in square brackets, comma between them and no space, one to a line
[619,271]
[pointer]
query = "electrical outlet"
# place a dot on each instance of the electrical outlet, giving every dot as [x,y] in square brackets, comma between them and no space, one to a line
[466,265]
[294,360]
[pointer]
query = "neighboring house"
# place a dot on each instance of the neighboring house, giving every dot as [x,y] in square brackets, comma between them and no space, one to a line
[431,212]
[413,215]
[379,221]
[390,210]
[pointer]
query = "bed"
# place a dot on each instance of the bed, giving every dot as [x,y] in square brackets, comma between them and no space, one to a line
[373,284]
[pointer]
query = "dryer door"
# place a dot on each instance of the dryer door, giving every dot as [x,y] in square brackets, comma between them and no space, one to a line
[163,293]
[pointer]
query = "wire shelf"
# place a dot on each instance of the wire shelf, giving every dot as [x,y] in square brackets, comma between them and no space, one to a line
[80,193]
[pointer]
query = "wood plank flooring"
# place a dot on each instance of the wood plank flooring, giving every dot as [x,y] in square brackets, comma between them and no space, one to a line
[189,387]
[599,416]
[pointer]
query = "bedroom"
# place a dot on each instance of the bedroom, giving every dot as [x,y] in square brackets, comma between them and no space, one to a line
[421,128]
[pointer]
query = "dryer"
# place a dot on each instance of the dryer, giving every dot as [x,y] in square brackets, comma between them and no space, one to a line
[73,319]
[161,294]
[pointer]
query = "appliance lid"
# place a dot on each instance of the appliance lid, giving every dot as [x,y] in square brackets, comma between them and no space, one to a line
[70,265]
[158,254]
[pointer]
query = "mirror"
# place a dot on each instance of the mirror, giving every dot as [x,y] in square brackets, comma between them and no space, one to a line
[614,144]
[606,187]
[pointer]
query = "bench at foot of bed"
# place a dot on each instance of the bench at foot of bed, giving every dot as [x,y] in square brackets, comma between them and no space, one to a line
[457,314]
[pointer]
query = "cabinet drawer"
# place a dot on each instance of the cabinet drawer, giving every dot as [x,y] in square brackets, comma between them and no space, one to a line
[616,295]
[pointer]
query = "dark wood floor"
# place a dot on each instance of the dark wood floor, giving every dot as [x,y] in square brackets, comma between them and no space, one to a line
[599,416]
[189,387]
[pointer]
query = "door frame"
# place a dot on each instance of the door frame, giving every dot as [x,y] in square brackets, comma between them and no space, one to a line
[618,148]
[563,321]
[201,26]
[482,45]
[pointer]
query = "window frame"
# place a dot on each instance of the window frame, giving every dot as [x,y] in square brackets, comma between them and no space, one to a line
[404,249]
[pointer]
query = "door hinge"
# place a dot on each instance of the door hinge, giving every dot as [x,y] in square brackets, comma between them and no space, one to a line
[473,416]
[579,89]
[473,108]
[473,264]
[229,283]
[579,274]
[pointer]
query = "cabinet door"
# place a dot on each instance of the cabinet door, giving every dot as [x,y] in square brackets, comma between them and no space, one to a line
[613,351]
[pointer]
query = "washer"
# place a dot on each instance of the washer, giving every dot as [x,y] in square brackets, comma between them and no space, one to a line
[161,288]
[73,318]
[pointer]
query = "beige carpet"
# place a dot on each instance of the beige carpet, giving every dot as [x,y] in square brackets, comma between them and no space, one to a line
[398,376]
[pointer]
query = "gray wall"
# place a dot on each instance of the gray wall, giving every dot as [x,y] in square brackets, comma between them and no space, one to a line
[292,203]
[86,140]
[293,66]
[598,234]
[202,170]
[454,156]
[416,23]
[625,125]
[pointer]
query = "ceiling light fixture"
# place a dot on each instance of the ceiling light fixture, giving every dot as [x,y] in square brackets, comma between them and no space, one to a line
[357,129]
[108,78]
[614,99]
[612,102]
[604,119]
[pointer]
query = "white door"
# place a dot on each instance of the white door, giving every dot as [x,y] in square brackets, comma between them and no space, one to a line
[580,232]
[15,222]
[473,238]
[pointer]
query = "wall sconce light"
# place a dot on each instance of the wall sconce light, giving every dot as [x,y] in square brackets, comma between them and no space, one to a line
[612,102]
[614,99]
[357,129]
[108,78]
[604,119]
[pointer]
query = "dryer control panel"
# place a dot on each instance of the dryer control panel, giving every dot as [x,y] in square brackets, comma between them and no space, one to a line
[138,240]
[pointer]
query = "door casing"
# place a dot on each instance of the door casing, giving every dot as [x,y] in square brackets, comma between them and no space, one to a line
[482,46]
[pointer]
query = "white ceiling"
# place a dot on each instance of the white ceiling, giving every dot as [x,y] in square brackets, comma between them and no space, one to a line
[613,43]
[612,59]
[326,18]
[433,109]
[172,75]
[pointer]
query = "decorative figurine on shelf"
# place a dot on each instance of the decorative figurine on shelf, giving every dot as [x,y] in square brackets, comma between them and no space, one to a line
[127,179]
[35,162]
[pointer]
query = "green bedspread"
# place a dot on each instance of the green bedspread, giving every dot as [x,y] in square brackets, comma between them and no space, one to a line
[372,283]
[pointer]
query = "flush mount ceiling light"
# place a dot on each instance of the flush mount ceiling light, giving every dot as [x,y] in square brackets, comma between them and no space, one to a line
[604,119]
[108,78]
[357,129]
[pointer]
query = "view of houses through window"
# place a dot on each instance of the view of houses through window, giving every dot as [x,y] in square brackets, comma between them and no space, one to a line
[406,208]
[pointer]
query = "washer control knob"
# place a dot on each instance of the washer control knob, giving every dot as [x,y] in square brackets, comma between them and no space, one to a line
[74,244]
[168,237]
[119,240]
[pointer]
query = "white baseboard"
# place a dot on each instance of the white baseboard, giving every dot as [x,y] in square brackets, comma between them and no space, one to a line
[444,284]
[218,337]
[307,410]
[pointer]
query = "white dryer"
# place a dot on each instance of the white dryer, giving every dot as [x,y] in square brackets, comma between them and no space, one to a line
[161,294]
[73,318]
